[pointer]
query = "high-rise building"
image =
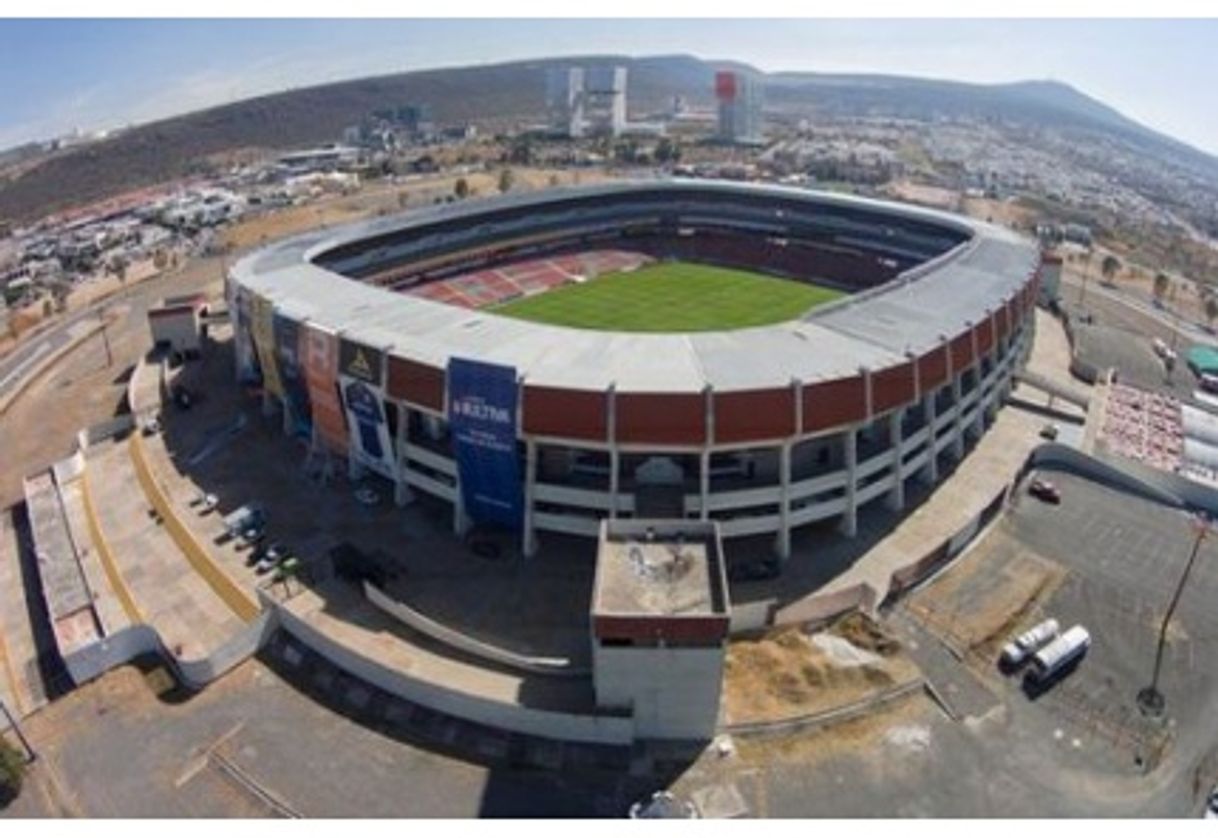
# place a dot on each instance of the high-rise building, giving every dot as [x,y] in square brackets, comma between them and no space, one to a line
[582,101]
[605,99]
[565,100]
[740,100]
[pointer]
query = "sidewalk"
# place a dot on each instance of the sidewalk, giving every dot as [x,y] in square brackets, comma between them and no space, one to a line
[21,686]
[191,619]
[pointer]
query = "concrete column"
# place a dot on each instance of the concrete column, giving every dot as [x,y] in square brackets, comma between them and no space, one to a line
[782,545]
[704,483]
[529,546]
[979,416]
[896,495]
[461,521]
[957,418]
[615,480]
[615,460]
[849,525]
[930,471]
[402,493]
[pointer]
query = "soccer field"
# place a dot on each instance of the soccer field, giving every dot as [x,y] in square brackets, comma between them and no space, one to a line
[672,297]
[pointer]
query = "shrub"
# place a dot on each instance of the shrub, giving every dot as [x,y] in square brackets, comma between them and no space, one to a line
[12,771]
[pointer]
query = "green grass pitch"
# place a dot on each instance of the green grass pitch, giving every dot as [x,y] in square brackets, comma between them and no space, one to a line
[672,297]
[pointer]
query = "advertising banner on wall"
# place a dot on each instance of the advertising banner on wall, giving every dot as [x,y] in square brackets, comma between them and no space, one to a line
[319,353]
[243,342]
[292,374]
[263,330]
[361,373]
[482,404]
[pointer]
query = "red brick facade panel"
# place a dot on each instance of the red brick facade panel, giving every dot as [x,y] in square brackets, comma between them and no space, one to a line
[418,384]
[1002,321]
[985,336]
[828,404]
[661,418]
[932,369]
[892,387]
[754,415]
[688,630]
[571,414]
[961,349]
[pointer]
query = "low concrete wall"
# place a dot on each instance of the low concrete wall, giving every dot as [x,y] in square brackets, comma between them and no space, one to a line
[752,616]
[601,729]
[102,431]
[560,667]
[826,718]
[142,639]
[1125,475]
[828,607]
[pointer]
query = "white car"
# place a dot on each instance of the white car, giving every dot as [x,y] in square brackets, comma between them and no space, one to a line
[1211,804]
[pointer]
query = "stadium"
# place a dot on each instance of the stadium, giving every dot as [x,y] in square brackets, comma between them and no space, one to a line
[759,356]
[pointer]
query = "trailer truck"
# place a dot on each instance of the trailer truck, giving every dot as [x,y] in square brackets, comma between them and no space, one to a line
[1054,658]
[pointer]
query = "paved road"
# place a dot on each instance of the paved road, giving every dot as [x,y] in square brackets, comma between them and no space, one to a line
[133,302]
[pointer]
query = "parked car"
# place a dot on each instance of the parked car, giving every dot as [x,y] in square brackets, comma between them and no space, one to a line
[209,504]
[1045,491]
[367,496]
[1049,432]
[1211,804]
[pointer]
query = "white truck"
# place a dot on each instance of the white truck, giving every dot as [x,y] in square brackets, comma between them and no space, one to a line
[1018,650]
[1055,657]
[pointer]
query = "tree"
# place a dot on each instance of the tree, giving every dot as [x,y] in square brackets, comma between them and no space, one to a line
[12,772]
[461,189]
[506,178]
[1109,267]
[1160,286]
[667,151]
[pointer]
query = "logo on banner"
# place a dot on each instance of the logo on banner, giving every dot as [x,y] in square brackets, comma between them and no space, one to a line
[360,368]
[365,407]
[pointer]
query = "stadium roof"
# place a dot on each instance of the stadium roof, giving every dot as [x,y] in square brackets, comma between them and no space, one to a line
[876,328]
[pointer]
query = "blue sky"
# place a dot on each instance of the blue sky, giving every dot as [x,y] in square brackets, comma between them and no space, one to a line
[57,75]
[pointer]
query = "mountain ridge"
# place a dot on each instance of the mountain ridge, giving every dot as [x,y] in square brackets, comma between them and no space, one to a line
[503,94]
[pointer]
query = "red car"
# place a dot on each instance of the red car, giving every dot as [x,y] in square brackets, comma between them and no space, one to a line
[1045,491]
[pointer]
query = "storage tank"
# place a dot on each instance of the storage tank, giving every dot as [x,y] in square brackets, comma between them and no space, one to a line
[1055,657]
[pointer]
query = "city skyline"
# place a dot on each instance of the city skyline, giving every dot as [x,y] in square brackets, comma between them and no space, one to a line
[93,75]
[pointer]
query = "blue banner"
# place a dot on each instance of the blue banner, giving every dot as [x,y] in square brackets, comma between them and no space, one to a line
[482,414]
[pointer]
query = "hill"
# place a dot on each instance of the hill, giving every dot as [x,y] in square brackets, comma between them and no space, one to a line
[495,96]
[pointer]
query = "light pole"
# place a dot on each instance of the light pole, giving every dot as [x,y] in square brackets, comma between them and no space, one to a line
[101,316]
[30,755]
[1150,700]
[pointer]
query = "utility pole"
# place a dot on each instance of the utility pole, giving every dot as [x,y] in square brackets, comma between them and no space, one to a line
[101,316]
[1150,700]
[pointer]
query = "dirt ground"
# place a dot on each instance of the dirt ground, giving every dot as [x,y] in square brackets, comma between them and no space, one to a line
[785,673]
[978,609]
